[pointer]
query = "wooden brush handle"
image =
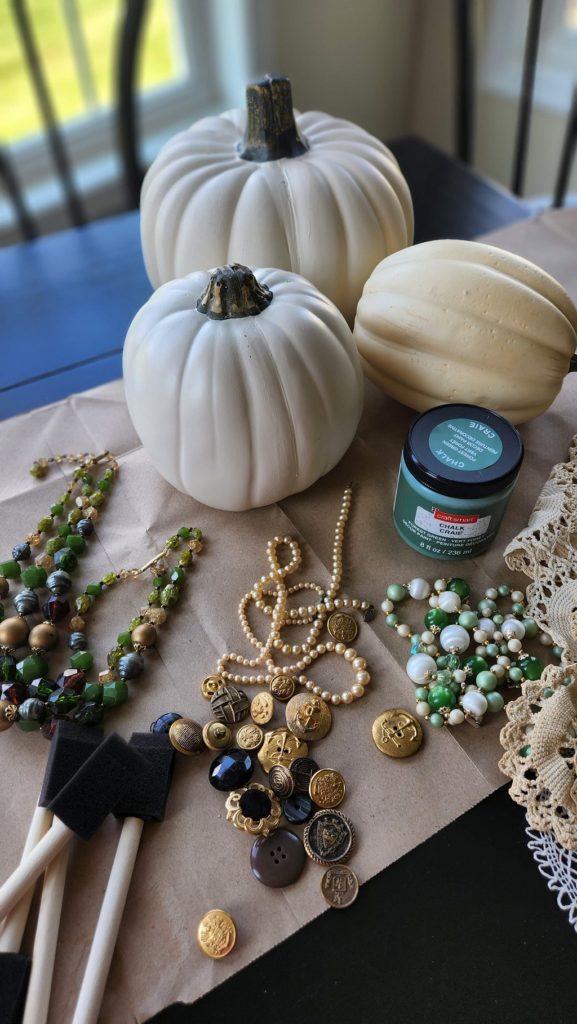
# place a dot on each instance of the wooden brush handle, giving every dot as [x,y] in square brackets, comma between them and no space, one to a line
[32,866]
[15,923]
[98,964]
[44,952]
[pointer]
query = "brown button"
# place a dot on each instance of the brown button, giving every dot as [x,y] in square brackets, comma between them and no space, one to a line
[277,859]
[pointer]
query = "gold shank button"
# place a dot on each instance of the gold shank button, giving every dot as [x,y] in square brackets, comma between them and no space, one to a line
[216,934]
[397,733]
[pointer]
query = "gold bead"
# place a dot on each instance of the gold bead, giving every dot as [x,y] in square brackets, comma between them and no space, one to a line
[44,561]
[157,616]
[77,624]
[44,636]
[144,635]
[13,632]
[34,539]
[91,513]
[8,714]
[106,676]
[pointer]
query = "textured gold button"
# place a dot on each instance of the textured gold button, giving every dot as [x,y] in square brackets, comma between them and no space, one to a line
[308,716]
[216,934]
[397,733]
[186,737]
[217,735]
[262,708]
[340,886]
[282,687]
[342,627]
[210,685]
[280,747]
[327,788]
[249,737]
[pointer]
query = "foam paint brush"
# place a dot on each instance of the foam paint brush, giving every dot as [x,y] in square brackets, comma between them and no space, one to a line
[139,804]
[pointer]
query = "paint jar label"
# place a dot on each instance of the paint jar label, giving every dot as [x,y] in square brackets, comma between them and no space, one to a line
[465,444]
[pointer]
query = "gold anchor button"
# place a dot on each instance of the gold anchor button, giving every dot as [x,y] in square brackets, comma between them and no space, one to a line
[397,733]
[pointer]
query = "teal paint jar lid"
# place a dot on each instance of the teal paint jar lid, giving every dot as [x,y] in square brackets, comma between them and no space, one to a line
[458,469]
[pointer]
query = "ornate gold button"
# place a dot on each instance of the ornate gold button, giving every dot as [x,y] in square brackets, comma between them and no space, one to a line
[342,627]
[329,837]
[249,737]
[210,685]
[262,708]
[327,788]
[281,781]
[216,934]
[254,809]
[217,735]
[308,716]
[282,687]
[186,737]
[340,886]
[397,733]
[280,747]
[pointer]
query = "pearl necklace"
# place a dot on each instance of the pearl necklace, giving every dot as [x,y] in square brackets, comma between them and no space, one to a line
[273,585]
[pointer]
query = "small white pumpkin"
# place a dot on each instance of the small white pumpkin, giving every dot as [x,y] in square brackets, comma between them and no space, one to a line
[455,321]
[321,197]
[242,388]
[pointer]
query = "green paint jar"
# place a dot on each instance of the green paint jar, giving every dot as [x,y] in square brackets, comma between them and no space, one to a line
[458,468]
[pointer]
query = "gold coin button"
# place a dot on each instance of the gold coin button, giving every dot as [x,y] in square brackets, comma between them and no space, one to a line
[210,685]
[397,733]
[327,788]
[217,735]
[282,687]
[308,716]
[280,747]
[339,886]
[186,737]
[262,708]
[342,627]
[216,934]
[249,737]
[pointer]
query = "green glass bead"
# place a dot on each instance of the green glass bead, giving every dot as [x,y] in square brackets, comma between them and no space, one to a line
[76,543]
[82,660]
[44,524]
[83,604]
[495,701]
[94,589]
[184,532]
[442,661]
[93,692]
[32,667]
[85,490]
[547,692]
[487,607]
[392,619]
[64,530]
[444,677]
[453,661]
[486,681]
[10,569]
[436,720]
[75,516]
[196,534]
[503,590]
[173,542]
[169,595]
[64,498]
[7,668]
[441,697]
[531,628]
[515,674]
[159,582]
[104,484]
[525,751]
[29,724]
[475,664]
[33,576]
[422,693]
[492,650]
[90,713]
[114,656]
[124,639]
[108,474]
[177,575]
[517,608]
[185,558]
[57,509]
[96,499]
[396,592]
[78,474]
[88,479]
[470,620]
[498,619]
[108,579]
[38,469]
[532,667]
[436,619]
[54,544]
[154,597]
[136,621]
[114,693]
[460,587]
[66,559]
[557,651]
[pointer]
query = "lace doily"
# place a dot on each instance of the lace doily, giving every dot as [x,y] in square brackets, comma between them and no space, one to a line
[559,867]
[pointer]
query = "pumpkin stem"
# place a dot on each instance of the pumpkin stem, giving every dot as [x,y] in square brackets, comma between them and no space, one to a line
[233,291]
[271,131]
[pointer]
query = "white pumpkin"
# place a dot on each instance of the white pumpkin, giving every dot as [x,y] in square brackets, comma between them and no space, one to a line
[455,321]
[247,398]
[321,197]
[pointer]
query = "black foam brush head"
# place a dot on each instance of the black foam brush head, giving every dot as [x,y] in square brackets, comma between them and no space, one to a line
[14,971]
[71,746]
[146,798]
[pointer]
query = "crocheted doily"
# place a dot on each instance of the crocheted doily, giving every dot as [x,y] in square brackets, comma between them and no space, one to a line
[559,867]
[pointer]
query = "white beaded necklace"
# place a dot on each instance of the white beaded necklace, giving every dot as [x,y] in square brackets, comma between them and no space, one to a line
[273,585]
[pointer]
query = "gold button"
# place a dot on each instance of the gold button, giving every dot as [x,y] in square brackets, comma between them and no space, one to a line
[308,716]
[186,737]
[216,934]
[262,708]
[249,737]
[210,685]
[280,747]
[217,735]
[339,886]
[342,627]
[397,733]
[282,687]
[327,788]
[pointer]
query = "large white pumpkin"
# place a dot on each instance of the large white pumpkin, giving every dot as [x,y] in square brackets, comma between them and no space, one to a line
[321,197]
[248,398]
[455,321]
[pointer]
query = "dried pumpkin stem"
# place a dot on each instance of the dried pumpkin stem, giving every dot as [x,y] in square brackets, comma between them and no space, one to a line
[271,131]
[233,291]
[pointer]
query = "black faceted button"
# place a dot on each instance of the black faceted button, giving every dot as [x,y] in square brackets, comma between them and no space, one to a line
[163,724]
[302,771]
[255,804]
[231,770]
[277,859]
[298,808]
